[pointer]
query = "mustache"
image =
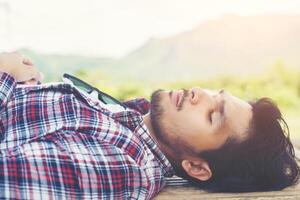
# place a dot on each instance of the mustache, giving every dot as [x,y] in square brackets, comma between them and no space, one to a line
[185,95]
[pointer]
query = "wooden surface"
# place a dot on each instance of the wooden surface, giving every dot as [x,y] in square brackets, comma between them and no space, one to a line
[192,193]
[188,192]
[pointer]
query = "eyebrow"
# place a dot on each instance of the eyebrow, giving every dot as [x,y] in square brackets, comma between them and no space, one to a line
[221,110]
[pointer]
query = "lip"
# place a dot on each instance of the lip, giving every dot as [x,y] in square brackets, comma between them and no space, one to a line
[176,97]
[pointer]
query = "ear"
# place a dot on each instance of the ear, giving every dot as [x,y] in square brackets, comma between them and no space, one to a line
[198,169]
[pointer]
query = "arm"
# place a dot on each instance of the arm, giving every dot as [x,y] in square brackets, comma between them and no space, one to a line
[70,165]
[7,86]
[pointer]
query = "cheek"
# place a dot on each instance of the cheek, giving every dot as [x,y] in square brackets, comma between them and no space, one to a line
[207,142]
[192,129]
[189,124]
[202,137]
[195,123]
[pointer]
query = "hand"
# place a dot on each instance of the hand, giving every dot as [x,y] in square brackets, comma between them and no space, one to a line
[20,67]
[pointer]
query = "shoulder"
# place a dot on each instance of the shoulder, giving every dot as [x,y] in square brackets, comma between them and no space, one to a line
[141,105]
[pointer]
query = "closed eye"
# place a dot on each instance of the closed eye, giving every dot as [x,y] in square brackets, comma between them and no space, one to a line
[210,113]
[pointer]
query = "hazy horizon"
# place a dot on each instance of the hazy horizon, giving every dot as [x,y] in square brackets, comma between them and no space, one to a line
[114,28]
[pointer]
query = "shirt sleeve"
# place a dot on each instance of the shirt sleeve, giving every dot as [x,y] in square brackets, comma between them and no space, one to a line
[7,86]
[70,165]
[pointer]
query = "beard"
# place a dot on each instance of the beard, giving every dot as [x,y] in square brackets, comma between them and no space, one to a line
[157,116]
[174,144]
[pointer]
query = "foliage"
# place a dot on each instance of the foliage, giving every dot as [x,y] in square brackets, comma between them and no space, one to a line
[280,83]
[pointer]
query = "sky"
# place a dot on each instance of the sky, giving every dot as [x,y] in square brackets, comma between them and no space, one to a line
[113,28]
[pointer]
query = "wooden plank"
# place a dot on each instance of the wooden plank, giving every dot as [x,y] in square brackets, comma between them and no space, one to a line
[188,192]
[182,190]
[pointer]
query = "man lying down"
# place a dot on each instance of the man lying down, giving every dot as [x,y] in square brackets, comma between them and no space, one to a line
[57,142]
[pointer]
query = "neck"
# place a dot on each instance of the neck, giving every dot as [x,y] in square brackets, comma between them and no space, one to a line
[164,148]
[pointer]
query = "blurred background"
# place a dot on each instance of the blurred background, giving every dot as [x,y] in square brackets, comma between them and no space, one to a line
[128,48]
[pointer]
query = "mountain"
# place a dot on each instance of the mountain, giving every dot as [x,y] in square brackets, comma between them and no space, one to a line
[227,45]
[53,66]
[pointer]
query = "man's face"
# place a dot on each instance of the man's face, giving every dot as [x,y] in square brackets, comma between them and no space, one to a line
[198,119]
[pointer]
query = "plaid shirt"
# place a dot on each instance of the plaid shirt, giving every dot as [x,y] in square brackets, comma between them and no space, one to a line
[58,143]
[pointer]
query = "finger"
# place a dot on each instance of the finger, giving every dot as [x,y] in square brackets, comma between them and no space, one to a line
[28,73]
[30,82]
[27,61]
[36,74]
[16,55]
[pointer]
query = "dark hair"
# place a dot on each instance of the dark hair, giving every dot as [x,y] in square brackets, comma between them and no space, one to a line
[264,161]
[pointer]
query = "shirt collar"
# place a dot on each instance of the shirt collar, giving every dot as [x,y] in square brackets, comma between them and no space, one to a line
[132,118]
[166,166]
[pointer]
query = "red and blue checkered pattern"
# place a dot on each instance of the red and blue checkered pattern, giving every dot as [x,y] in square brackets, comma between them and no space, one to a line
[57,143]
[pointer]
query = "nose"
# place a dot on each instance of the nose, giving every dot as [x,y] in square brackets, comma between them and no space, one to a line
[196,95]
